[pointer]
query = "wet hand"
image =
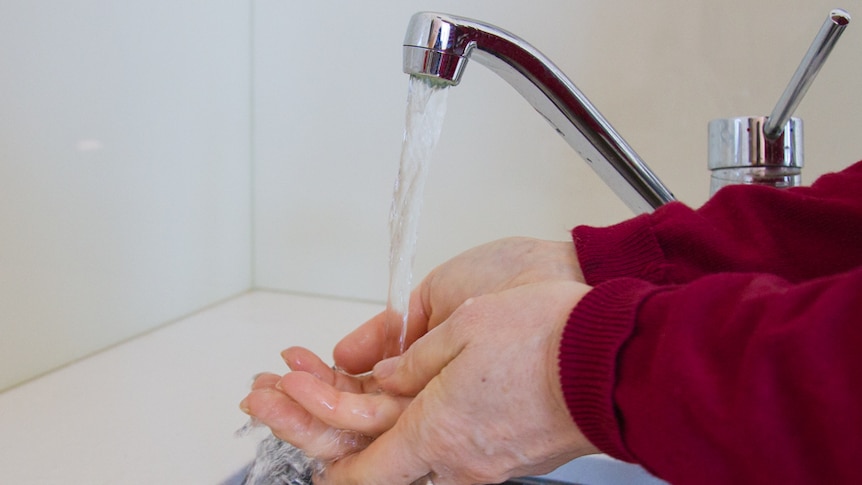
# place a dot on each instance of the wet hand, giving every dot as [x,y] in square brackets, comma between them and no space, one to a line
[326,413]
[490,268]
[488,404]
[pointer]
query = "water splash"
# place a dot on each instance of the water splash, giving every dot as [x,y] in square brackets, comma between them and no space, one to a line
[426,108]
[279,463]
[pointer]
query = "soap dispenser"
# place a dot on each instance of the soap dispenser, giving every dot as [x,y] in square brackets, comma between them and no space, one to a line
[767,150]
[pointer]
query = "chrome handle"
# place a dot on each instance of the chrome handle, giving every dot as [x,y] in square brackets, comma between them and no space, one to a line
[805,73]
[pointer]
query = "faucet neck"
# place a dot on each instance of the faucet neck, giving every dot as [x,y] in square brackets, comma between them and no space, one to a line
[438,46]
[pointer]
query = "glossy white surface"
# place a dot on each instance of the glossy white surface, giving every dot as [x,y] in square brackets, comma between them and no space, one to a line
[163,407]
[124,171]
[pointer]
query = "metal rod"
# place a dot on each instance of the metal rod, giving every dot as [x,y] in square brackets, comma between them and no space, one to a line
[807,70]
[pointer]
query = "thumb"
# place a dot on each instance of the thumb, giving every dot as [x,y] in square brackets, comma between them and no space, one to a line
[409,373]
[380,337]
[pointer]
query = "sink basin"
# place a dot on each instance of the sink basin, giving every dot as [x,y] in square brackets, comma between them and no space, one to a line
[588,470]
[597,470]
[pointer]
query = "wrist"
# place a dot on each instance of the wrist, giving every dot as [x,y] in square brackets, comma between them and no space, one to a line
[567,296]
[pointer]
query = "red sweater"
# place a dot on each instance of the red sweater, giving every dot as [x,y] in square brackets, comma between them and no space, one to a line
[724,345]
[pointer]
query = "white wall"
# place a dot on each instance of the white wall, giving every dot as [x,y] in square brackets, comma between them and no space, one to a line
[124,171]
[329,108]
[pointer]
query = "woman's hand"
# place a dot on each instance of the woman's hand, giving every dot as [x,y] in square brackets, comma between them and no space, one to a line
[488,403]
[486,269]
[329,414]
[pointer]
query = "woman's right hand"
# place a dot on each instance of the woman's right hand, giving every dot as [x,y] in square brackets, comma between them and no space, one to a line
[485,269]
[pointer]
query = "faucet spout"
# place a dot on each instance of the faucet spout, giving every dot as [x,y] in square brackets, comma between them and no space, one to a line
[438,46]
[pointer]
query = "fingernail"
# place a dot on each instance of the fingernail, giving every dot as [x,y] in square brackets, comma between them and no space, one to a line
[243,406]
[385,368]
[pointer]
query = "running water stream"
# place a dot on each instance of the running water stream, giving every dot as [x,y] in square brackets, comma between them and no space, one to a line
[280,463]
[426,108]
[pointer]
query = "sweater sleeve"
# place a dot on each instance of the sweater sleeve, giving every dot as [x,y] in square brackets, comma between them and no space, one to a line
[797,234]
[721,345]
[733,378]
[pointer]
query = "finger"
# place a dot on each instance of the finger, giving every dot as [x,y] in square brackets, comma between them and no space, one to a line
[265,380]
[380,337]
[362,348]
[304,360]
[425,359]
[290,422]
[369,414]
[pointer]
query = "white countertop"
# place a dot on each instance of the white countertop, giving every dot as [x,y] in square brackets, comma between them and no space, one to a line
[163,408]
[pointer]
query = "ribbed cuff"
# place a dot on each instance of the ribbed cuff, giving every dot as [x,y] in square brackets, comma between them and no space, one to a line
[596,331]
[627,249]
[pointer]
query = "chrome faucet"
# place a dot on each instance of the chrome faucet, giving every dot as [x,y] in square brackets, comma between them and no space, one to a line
[438,46]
